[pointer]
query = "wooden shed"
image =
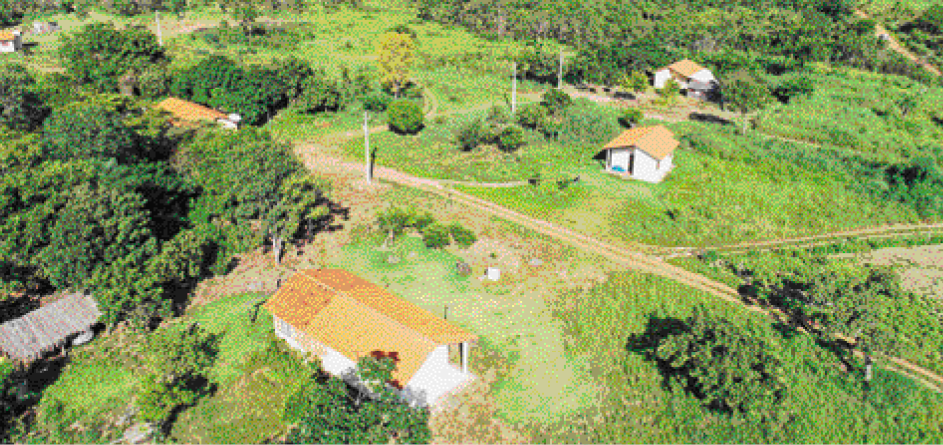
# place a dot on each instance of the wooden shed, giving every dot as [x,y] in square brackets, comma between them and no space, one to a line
[29,336]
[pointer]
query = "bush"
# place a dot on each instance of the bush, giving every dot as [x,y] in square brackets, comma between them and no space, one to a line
[587,123]
[531,116]
[499,115]
[377,101]
[405,116]
[319,93]
[462,236]
[470,135]
[420,221]
[511,139]
[556,101]
[155,82]
[436,236]
[630,117]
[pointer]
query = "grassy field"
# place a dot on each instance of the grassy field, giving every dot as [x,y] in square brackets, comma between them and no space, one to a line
[716,194]
[863,111]
[829,406]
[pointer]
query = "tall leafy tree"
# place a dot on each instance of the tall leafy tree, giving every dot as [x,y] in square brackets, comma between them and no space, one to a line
[328,411]
[98,53]
[745,94]
[20,107]
[395,53]
[730,368]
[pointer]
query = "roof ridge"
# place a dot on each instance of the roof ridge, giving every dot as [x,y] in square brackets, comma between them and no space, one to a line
[412,330]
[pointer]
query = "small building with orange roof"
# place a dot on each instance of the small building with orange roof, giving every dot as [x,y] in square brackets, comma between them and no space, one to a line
[186,113]
[644,153]
[696,80]
[11,40]
[341,318]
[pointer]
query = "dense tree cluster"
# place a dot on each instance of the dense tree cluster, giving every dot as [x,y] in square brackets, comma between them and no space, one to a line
[613,38]
[731,368]
[327,410]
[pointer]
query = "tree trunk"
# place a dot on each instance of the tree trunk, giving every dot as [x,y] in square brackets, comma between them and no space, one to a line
[277,247]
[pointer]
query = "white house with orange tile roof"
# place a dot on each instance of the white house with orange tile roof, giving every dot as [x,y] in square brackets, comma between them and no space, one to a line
[341,317]
[11,41]
[695,79]
[644,153]
[189,113]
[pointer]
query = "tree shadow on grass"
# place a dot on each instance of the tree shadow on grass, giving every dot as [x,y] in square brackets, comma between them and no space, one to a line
[708,118]
[656,331]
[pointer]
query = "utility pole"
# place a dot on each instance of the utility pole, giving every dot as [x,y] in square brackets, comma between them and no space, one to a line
[160,40]
[366,145]
[560,73]
[514,90]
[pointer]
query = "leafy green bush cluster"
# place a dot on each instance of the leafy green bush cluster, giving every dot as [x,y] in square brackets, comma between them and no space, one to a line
[405,116]
[394,221]
[495,129]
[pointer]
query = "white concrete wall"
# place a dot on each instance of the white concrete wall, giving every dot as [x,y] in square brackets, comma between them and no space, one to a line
[332,361]
[8,46]
[434,378]
[649,169]
[661,77]
[703,76]
[619,157]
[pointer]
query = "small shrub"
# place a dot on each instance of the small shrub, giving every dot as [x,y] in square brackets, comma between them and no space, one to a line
[377,101]
[470,135]
[511,139]
[405,116]
[499,115]
[462,236]
[630,117]
[436,236]
[421,220]
[531,116]
[155,82]
[556,101]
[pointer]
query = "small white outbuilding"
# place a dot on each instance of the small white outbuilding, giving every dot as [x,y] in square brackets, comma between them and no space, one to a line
[691,77]
[341,318]
[11,41]
[644,153]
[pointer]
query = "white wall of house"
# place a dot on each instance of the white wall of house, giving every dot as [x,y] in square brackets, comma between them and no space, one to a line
[9,46]
[435,378]
[703,76]
[661,76]
[649,169]
[619,157]
[227,124]
[332,361]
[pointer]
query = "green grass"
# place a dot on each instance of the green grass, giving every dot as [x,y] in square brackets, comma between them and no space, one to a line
[714,199]
[829,406]
[544,381]
[858,110]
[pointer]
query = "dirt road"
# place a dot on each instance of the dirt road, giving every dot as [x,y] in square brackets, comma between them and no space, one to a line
[895,45]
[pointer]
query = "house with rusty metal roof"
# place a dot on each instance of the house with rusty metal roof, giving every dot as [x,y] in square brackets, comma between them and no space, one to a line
[11,40]
[28,337]
[644,153]
[186,113]
[341,318]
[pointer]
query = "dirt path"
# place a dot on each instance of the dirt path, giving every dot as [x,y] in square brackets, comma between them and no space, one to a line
[816,240]
[895,45]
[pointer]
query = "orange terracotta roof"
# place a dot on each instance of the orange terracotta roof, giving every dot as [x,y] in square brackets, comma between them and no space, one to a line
[657,140]
[685,67]
[188,111]
[7,34]
[358,318]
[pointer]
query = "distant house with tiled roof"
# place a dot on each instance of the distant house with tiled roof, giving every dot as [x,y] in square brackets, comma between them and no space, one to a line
[189,113]
[341,317]
[644,153]
[11,40]
[696,80]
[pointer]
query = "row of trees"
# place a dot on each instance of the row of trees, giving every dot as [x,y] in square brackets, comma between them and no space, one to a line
[612,39]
